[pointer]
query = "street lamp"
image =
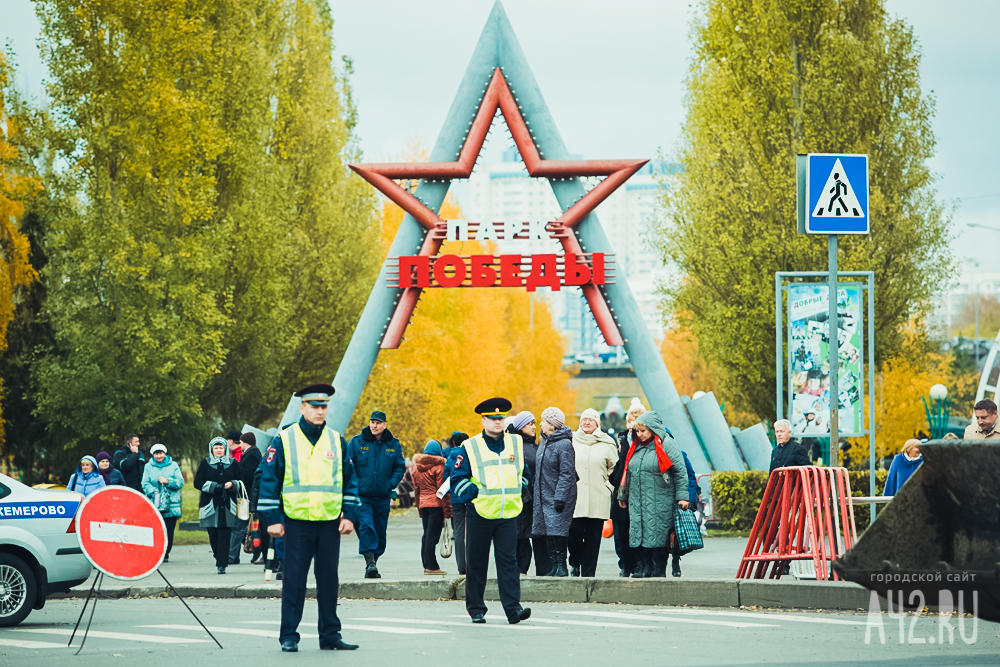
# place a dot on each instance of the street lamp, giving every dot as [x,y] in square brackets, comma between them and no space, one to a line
[937,417]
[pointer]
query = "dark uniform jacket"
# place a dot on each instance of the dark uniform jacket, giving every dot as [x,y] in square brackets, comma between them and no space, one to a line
[273,477]
[462,488]
[378,463]
[789,454]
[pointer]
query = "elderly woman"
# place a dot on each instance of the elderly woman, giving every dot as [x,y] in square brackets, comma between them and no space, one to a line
[619,514]
[86,479]
[111,475]
[904,465]
[555,488]
[596,456]
[523,424]
[217,479]
[428,476]
[163,476]
[654,480]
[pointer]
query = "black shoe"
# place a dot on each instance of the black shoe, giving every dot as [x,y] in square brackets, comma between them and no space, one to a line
[560,570]
[277,575]
[521,615]
[256,562]
[289,647]
[337,644]
[166,558]
[575,572]
[639,574]
[676,570]
[622,572]
[234,561]
[221,570]
[478,618]
[371,571]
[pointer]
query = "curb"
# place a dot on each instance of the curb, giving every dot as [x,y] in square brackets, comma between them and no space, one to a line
[766,593]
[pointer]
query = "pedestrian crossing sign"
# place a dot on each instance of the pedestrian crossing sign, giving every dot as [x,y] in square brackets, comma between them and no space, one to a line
[837,194]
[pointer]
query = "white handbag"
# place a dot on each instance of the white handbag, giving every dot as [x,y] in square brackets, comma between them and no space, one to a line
[444,545]
[242,503]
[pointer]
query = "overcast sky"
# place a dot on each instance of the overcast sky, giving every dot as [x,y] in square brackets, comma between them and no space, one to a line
[613,73]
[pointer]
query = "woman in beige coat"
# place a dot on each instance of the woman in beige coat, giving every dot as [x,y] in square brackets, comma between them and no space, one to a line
[596,456]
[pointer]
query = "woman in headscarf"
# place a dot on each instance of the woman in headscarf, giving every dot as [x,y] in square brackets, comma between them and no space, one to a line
[428,476]
[217,479]
[904,465]
[596,456]
[523,424]
[162,475]
[619,515]
[655,479]
[111,474]
[555,488]
[86,479]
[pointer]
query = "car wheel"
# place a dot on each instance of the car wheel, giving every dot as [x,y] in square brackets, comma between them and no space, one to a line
[17,590]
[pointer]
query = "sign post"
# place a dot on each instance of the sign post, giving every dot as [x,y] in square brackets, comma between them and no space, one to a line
[832,200]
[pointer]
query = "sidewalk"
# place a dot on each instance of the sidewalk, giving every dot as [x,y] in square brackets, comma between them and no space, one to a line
[708,579]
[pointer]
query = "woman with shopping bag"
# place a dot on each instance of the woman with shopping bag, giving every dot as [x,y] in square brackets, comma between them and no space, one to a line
[161,482]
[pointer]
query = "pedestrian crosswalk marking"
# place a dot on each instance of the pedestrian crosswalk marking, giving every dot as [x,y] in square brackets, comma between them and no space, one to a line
[367,628]
[837,199]
[154,639]
[27,643]
[437,622]
[672,619]
[749,614]
[599,624]
[232,631]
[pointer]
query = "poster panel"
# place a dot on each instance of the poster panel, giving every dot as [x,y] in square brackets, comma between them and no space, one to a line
[809,368]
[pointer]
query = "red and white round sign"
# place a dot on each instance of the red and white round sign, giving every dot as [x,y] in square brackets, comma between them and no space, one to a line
[121,532]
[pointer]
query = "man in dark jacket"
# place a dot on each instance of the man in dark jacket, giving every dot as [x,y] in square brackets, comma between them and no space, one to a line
[788,452]
[249,461]
[378,462]
[130,462]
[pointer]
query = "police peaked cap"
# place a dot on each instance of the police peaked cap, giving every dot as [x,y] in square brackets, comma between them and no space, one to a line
[316,393]
[494,408]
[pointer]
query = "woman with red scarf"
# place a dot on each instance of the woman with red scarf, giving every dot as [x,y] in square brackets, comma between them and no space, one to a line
[654,480]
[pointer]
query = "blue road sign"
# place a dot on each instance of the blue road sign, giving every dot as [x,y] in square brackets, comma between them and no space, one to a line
[837,194]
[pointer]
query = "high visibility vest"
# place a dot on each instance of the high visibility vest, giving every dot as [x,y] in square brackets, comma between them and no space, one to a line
[498,476]
[313,489]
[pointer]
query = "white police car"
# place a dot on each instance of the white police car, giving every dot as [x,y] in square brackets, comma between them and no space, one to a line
[39,549]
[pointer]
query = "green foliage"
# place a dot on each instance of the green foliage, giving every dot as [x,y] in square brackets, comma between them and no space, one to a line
[736,497]
[203,235]
[771,79]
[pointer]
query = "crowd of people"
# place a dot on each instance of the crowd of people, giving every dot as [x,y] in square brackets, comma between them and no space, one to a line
[583,482]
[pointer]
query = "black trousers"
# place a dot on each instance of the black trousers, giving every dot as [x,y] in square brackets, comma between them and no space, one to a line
[219,539]
[528,546]
[433,520]
[171,522]
[480,534]
[626,556]
[305,541]
[458,531]
[585,544]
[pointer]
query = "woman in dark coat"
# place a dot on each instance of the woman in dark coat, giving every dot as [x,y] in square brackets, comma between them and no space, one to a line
[524,425]
[655,479]
[555,488]
[216,479]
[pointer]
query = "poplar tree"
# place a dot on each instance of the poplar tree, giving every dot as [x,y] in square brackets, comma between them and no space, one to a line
[770,79]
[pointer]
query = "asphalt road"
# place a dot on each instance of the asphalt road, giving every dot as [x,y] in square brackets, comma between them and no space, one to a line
[160,632]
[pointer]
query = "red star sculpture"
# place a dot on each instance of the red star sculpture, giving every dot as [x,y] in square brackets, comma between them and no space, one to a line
[498,95]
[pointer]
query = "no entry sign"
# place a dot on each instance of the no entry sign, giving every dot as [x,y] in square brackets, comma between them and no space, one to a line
[121,532]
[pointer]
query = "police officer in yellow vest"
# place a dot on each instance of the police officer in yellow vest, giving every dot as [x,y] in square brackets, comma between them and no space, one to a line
[308,493]
[490,472]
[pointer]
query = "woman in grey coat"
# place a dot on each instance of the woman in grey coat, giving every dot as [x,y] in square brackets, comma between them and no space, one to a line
[217,479]
[655,479]
[555,488]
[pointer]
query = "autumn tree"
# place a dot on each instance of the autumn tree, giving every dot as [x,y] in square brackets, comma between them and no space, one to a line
[16,271]
[771,79]
[464,345]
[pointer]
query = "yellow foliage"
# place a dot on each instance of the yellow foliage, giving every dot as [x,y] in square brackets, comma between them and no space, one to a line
[15,269]
[462,346]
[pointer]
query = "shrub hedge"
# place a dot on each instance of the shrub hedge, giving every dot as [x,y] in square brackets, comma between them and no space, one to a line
[736,496]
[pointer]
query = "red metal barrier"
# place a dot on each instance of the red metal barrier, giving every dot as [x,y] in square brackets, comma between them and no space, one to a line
[806,514]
